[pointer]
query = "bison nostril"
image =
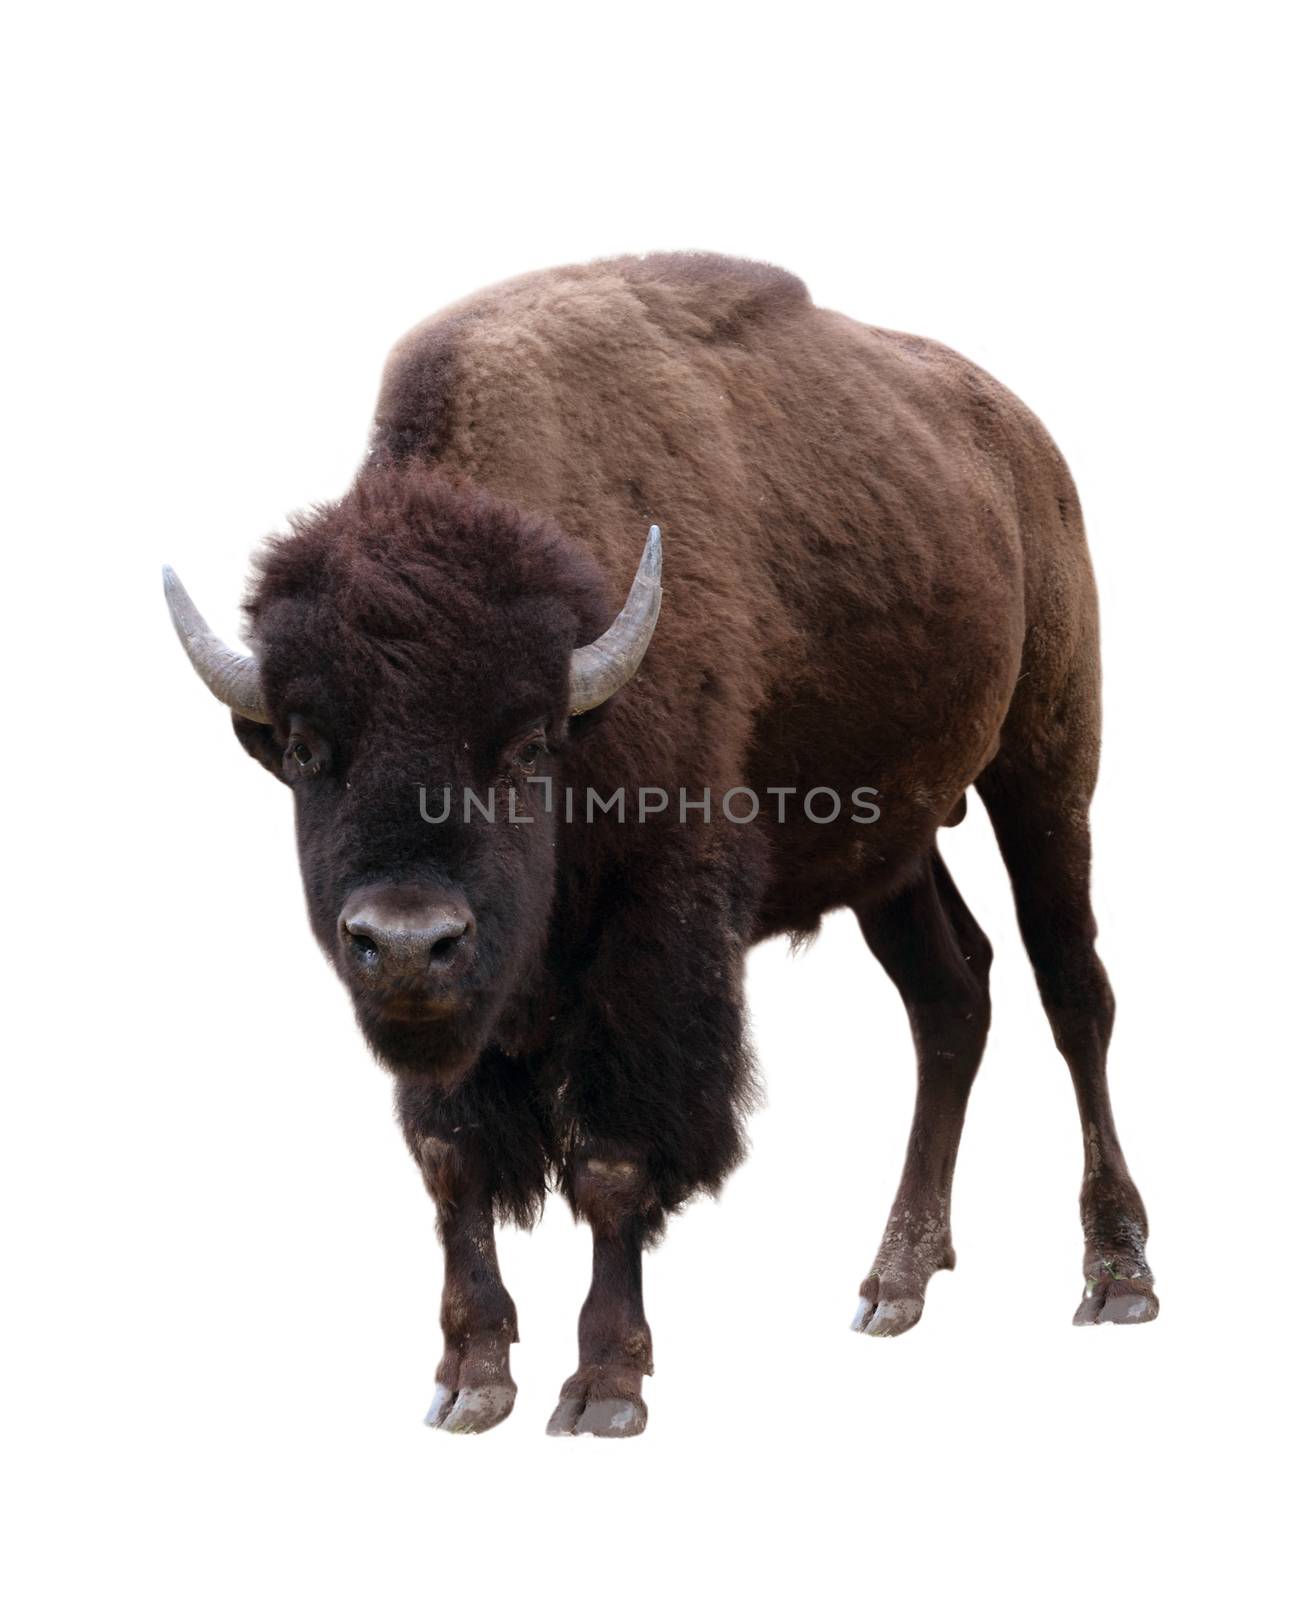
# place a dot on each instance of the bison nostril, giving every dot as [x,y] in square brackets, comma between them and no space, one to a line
[406,938]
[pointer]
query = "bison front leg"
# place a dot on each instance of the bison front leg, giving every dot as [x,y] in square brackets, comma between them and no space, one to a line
[604,1396]
[656,1076]
[474,1388]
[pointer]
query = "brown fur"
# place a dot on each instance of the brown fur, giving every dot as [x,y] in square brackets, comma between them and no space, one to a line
[875,574]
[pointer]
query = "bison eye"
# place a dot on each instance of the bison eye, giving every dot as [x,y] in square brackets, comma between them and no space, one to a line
[528,754]
[305,753]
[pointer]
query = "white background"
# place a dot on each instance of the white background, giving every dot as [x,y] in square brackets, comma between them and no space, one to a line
[220,1271]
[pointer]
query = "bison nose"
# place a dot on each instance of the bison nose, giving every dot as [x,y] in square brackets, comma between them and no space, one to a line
[406,934]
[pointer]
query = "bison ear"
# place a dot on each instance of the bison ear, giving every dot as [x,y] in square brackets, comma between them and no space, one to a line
[259,741]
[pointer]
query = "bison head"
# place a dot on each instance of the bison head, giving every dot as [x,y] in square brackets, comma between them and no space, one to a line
[416,664]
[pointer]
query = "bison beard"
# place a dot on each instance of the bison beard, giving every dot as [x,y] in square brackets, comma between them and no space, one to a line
[876,574]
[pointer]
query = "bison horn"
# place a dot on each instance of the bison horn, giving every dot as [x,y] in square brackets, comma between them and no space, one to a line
[602,668]
[231,676]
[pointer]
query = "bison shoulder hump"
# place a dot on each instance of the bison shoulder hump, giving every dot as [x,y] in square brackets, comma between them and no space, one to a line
[687,295]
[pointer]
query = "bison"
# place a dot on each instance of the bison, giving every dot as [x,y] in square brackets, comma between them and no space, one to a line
[875,589]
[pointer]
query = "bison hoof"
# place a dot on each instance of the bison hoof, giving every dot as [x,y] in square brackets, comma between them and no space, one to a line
[470,1410]
[887,1315]
[603,1419]
[1110,1299]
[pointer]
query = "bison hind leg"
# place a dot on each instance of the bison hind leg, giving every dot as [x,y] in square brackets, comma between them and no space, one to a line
[1037,792]
[929,944]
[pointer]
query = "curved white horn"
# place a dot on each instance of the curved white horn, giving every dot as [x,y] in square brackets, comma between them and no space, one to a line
[232,676]
[602,668]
